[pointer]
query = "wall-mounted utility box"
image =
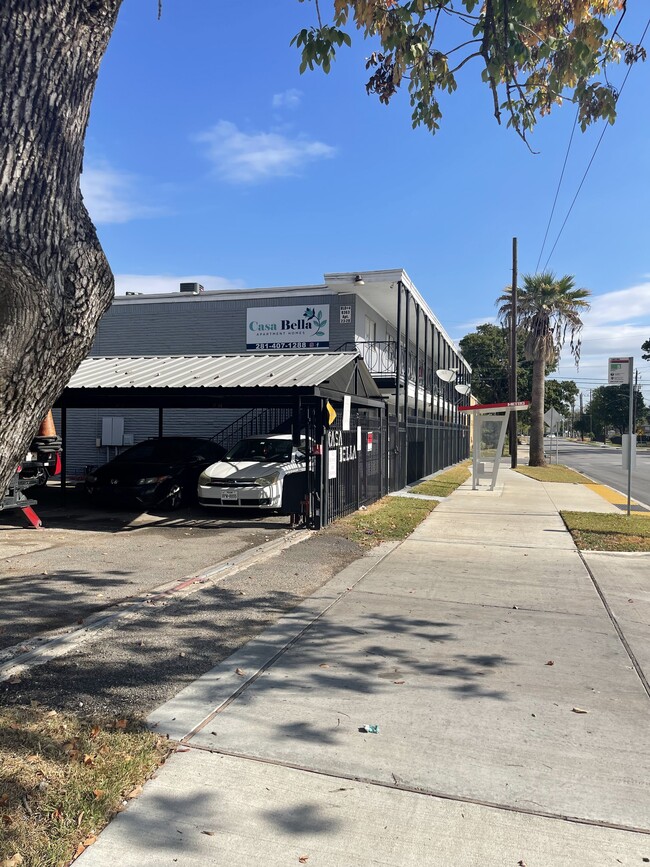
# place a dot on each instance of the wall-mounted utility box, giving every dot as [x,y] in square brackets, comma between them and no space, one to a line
[112,430]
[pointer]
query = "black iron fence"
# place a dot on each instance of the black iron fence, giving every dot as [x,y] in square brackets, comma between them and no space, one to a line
[355,467]
[422,447]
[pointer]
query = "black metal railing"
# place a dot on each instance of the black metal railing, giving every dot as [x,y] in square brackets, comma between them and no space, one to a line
[255,422]
[380,357]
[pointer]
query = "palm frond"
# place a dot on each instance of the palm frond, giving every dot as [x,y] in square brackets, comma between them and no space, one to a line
[549,312]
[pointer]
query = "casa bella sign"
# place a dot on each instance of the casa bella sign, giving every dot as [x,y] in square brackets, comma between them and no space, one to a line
[301,327]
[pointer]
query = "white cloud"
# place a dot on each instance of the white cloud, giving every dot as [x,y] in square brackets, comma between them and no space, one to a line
[246,158]
[287,99]
[111,195]
[617,324]
[151,284]
[463,328]
[621,305]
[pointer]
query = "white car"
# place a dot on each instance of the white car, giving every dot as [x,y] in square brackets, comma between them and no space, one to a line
[252,474]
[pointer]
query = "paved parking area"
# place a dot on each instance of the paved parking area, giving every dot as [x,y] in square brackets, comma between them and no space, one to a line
[63,576]
[85,559]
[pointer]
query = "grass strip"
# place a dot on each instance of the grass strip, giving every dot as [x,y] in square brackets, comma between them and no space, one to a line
[392,519]
[592,531]
[389,519]
[554,473]
[445,483]
[63,778]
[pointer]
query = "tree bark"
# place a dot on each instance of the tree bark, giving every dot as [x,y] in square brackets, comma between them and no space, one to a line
[55,282]
[536,456]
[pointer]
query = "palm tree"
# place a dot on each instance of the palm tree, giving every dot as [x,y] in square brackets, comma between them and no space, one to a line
[548,310]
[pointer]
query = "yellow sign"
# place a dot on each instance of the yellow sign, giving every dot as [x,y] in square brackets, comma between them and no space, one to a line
[330,413]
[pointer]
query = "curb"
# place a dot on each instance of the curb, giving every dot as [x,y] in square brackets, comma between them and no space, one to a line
[197,704]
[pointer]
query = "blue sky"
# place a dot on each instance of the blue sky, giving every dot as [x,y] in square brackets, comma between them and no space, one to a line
[208,155]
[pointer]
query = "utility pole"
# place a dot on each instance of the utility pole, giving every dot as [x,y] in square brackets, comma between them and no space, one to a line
[591,415]
[582,418]
[573,417]
[513,357]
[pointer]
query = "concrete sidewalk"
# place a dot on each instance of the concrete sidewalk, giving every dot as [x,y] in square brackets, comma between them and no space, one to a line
[512,711]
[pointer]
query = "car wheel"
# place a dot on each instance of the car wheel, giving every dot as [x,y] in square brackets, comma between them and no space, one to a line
[173,498]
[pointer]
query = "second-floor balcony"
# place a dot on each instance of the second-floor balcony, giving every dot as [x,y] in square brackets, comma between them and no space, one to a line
[380,357]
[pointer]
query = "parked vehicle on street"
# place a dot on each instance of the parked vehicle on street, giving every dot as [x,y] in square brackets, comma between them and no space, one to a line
[262,472]
[160,472]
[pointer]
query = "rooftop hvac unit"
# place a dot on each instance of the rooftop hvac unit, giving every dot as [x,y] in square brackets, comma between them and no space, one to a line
[193,288]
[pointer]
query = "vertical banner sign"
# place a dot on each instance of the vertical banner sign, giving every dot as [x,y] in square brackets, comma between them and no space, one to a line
[288,327]
[369,440]
[347,405]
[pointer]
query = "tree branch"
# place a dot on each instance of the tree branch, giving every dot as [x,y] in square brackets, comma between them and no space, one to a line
[464,61]
[462,45]
[320,20]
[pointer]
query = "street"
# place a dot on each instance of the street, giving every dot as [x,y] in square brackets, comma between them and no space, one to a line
[605,465]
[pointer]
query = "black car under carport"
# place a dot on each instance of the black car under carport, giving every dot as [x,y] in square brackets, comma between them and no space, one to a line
[160,472]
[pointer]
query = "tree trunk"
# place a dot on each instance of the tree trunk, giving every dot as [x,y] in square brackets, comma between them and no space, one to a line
[536,458]
[55,282]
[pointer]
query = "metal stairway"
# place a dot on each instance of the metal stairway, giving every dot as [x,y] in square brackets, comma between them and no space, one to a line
[255,422]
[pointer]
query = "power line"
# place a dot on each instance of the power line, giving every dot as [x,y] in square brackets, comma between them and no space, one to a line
[584,177]
[557,191]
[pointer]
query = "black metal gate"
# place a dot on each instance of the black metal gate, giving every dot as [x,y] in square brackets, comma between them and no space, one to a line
[355,467]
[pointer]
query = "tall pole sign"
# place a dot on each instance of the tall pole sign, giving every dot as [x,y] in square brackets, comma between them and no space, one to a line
[620,373]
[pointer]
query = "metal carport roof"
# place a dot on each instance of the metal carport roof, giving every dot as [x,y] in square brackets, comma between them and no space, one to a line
[203,380]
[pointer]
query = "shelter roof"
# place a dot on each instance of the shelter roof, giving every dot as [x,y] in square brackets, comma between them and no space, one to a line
[306,373]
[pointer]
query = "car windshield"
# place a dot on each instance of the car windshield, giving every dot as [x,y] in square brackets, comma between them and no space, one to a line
[152,451]
[275,451]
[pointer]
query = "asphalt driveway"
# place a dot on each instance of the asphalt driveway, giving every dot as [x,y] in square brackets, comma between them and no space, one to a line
[85,559]
[87,572]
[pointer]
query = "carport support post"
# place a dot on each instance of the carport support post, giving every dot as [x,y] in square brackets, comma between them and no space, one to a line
[314,431]
[295,423]
[160,421]
[324,466]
